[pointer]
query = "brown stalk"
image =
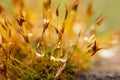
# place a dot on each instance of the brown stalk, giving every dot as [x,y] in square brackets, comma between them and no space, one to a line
[61,68]
[7,22]
[1,8]
[46,4]
[60,34]
[3,26]
[45,26]
[56,30]
[5,71]
[10,33]
[75,5]
[99,21]
[66,14]
[26,38]
[20,19]
[89,10]
[57,10]
[94,48]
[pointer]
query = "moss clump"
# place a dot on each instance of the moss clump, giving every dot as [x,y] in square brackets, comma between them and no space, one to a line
[47,47]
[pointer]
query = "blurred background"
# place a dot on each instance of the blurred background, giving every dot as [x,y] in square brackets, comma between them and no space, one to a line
[107,8]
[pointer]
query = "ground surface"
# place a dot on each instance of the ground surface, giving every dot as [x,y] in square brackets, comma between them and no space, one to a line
[98,75]
[104,69]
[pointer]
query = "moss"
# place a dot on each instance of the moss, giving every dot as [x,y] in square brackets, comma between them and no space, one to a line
[43,51]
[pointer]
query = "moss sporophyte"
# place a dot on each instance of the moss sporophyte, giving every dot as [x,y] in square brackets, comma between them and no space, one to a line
[42,43]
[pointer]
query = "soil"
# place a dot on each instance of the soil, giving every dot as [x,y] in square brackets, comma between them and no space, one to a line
[98,75]
[104,69]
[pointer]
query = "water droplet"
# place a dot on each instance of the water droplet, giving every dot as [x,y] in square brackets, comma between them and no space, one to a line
[39,55]
[40,49]
[30,34]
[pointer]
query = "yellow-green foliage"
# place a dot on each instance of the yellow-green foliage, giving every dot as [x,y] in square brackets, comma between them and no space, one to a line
[43,40]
